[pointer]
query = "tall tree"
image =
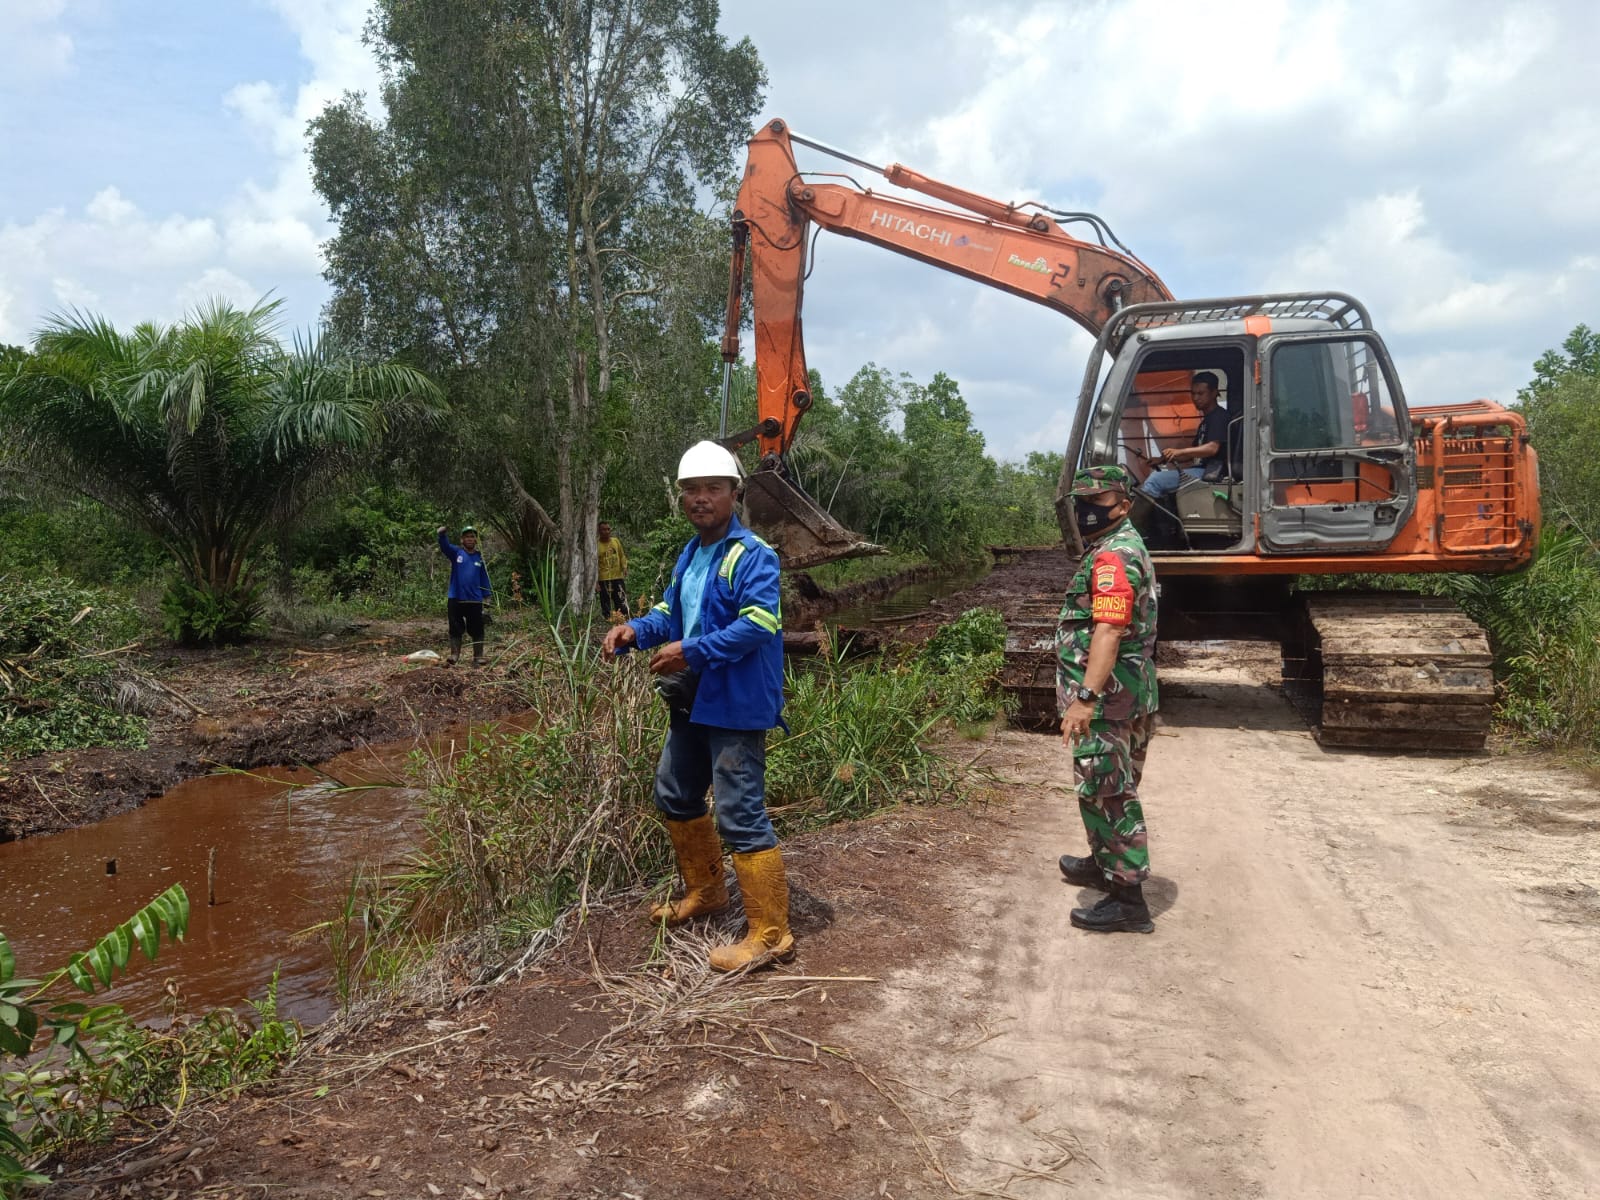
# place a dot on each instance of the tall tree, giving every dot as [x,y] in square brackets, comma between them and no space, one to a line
[526,216]
[1562,404]
[208,434]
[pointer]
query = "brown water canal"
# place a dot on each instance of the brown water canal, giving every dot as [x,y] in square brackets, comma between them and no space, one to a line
[288,842]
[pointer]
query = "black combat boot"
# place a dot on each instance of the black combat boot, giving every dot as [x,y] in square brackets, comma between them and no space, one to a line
[1122,911]
[455,652]
[1083,872]
[477,654]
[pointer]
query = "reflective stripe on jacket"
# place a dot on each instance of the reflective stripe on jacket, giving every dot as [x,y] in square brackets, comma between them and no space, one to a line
[739,652]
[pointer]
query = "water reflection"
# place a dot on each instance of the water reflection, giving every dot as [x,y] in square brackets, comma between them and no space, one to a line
[287,843]
[908,601]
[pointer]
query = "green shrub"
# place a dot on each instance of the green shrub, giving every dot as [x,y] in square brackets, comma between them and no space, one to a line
[78,538]
[967,657]
[62,682]
[857,741]
[521,826]
[199,616]
[1544,622]
[1544,627]
[54,1096]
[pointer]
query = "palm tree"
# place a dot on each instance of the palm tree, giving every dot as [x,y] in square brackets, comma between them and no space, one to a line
[208,433]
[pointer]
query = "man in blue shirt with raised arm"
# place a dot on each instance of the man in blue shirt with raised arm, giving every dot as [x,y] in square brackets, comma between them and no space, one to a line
[469,589]
[719,666]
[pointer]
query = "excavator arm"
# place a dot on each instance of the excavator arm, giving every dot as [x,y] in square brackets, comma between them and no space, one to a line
[1021,249]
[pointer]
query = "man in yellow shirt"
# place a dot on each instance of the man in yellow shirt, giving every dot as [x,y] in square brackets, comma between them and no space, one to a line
[613,572]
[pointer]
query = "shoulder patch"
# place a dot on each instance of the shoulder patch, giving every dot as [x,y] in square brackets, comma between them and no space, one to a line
[1113,594]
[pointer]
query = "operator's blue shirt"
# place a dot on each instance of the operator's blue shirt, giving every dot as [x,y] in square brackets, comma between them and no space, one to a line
[737,646]
[469,578]
[692,590]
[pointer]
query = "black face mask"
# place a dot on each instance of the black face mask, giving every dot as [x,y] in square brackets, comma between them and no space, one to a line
[1092,518]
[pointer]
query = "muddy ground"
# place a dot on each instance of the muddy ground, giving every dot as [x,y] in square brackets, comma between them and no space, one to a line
[275,702]
[1371,976]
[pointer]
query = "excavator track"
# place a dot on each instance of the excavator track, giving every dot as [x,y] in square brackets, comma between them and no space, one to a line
[1397,671]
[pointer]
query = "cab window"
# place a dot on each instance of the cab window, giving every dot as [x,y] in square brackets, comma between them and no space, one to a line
[1330,395]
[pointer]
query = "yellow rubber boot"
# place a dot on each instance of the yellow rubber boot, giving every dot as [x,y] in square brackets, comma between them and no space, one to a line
[699,852]
[766,913]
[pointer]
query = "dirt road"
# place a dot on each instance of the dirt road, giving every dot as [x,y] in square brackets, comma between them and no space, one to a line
[1371,977]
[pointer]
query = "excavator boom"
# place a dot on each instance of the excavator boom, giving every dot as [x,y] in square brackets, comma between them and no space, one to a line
[1021,249]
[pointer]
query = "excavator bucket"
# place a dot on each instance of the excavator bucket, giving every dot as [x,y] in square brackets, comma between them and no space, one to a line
[804,535]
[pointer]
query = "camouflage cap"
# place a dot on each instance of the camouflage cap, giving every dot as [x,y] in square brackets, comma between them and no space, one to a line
[1091,481]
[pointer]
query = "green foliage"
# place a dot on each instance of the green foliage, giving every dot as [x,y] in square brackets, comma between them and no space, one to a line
[62,684]
[967,657]
[857,741]
[1544,622]
[927,487]
[523,825]
[1562,406]
[199,615]
[651,562]
[976,632]
[1579,355]
[219,1051]
[571,331]
[543,586]
[207,435]
[43,1103]
[373,547]
[78,538]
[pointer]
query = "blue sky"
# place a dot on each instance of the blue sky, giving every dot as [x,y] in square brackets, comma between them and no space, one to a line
[1439,158]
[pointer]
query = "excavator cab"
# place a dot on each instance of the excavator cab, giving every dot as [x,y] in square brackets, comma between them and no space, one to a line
[1318,457]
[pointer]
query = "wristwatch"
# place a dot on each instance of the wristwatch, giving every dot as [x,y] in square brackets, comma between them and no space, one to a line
[1087,695]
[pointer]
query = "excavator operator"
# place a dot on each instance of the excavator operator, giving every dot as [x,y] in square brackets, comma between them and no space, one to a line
[1205,457]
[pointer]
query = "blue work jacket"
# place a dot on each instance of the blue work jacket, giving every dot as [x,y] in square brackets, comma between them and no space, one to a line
[739,650]
[469,578]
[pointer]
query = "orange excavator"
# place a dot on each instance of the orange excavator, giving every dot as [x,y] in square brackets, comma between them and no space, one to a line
[1325,471]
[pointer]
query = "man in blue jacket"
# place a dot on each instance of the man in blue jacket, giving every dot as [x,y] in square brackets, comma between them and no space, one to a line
[469,590]
[720,668]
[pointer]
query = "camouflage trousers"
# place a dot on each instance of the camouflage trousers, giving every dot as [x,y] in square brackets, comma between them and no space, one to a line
[1106,769]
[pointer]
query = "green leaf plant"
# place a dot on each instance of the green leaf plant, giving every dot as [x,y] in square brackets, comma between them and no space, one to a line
[40,1030]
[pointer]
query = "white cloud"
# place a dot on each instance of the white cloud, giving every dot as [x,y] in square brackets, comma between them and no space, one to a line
[274,242]
[70,293]
[1452,376]
[110,258]
[1437,158]
[11,333]
[1420,287]
[32,44]
[132,265]
[216,283]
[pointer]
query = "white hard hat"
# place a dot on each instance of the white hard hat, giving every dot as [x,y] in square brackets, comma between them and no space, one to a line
[707,460]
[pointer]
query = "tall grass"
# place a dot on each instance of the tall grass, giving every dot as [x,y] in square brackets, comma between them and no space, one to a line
[524,826]
[1545,625]
[856,742]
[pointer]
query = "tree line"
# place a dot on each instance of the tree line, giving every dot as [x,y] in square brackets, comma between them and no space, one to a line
[528,275]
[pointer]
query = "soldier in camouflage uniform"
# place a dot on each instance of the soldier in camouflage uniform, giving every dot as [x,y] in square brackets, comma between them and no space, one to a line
[1106,691]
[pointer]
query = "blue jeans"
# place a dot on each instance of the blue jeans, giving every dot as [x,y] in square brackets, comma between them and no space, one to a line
[732,764]
[1161,484]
